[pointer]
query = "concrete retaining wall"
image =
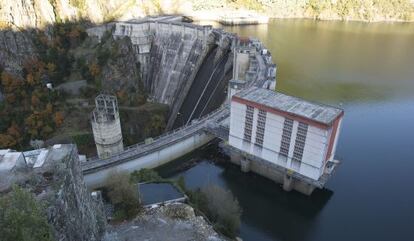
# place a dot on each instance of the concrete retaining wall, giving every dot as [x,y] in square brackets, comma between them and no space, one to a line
[263,168]
[149,160]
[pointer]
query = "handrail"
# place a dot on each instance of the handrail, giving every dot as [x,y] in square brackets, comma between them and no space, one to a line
[188,126]
[260,69]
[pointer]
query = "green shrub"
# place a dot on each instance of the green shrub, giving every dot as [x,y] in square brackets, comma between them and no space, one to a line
[22,217]
[219,206]
[124,196]
[83,139]
[145,175]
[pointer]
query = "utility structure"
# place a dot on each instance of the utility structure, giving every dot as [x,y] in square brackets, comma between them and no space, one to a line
[285,138]
[106,126]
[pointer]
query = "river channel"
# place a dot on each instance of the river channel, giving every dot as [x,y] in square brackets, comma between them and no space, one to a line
[368,70]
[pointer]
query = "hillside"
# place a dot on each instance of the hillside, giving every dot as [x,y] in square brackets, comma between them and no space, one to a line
[39,13]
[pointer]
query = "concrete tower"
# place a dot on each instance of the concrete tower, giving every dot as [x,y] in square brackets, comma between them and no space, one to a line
[106,126]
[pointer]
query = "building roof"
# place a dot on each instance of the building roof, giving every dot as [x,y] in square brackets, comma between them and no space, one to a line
[8,159]
[291,105]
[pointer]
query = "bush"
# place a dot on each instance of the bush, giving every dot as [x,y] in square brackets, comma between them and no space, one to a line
[145,175]
[124,196]
[219,206]
[22,217]
[83,139]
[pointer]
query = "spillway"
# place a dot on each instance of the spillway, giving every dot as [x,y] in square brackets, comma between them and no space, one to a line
[183,65]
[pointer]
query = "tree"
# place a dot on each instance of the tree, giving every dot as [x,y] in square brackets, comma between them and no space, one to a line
[7,141]
[14,131]
[220,206]
[94,70]
[123,195]
[58,118]
[22,217]
[223,208]
[35,100]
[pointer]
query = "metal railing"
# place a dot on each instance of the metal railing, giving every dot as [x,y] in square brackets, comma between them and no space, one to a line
[191,127]
[168,138]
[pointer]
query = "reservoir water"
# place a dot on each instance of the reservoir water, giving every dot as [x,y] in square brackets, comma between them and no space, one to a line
[368,70]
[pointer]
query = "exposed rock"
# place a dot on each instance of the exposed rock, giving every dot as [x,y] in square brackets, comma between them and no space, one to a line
[175,222]
[121,71]
[15,47]
[58,184]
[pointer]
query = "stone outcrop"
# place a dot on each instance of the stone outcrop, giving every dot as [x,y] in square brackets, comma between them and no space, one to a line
[15,47]
[173,222]
[72,212]
[122,70]
[55,177]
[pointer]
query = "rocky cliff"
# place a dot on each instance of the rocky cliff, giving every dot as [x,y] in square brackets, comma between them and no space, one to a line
[72,212]
[38,13]
[15,47]
[55,177]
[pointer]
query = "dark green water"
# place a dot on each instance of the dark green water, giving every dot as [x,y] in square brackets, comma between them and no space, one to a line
[368,69]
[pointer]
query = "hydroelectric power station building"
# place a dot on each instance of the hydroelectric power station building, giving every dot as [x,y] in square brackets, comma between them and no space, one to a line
[287,139]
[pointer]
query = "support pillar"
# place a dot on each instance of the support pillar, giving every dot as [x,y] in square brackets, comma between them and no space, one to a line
[287,183]
[245,164]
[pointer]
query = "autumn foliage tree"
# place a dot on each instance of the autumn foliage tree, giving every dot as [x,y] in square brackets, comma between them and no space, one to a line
[30,110]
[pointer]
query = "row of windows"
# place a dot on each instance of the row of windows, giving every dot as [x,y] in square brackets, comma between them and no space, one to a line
[300,142]
[261,122]
[286,135]
[248,124]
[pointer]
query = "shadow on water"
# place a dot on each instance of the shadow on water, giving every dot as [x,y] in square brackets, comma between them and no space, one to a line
[269,213]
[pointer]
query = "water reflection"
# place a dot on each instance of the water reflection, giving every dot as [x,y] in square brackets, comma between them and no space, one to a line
[269,213]
[368,68]
[339,61]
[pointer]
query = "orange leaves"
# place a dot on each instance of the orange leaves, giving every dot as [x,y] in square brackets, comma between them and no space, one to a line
[30,79]
[58,118]
[7,141]
[94,70]
[49,108]
[51,67]
[74,33]
[35,101]
[10,82]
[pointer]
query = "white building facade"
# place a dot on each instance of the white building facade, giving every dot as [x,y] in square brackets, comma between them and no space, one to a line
[292,133]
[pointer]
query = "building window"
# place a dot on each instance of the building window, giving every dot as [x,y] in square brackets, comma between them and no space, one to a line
[248,124]
[299,143]
[260,129]
[286,135]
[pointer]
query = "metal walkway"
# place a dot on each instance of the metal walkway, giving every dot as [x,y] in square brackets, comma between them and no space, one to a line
[215,123]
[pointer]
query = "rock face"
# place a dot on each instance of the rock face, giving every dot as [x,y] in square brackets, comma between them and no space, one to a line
[175,222]
[121,72]
[55,177]
[170,55]
[15,47]
[27,13]
[72,212]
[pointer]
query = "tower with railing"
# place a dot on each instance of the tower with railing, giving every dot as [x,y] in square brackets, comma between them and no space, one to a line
[106,126]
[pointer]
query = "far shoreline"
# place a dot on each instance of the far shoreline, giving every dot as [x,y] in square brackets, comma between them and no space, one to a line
[217,15]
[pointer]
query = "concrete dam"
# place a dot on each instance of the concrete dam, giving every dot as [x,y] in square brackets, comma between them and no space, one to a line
[183,65]
[194,69]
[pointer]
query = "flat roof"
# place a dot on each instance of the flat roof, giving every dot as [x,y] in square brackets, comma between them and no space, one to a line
[8,159]
[280,102]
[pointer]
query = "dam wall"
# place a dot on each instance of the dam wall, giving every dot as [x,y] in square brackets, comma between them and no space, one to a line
[215,60]
[168,52]
[170,56]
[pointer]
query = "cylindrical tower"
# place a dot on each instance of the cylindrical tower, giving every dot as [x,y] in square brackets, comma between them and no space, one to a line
[106,126]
